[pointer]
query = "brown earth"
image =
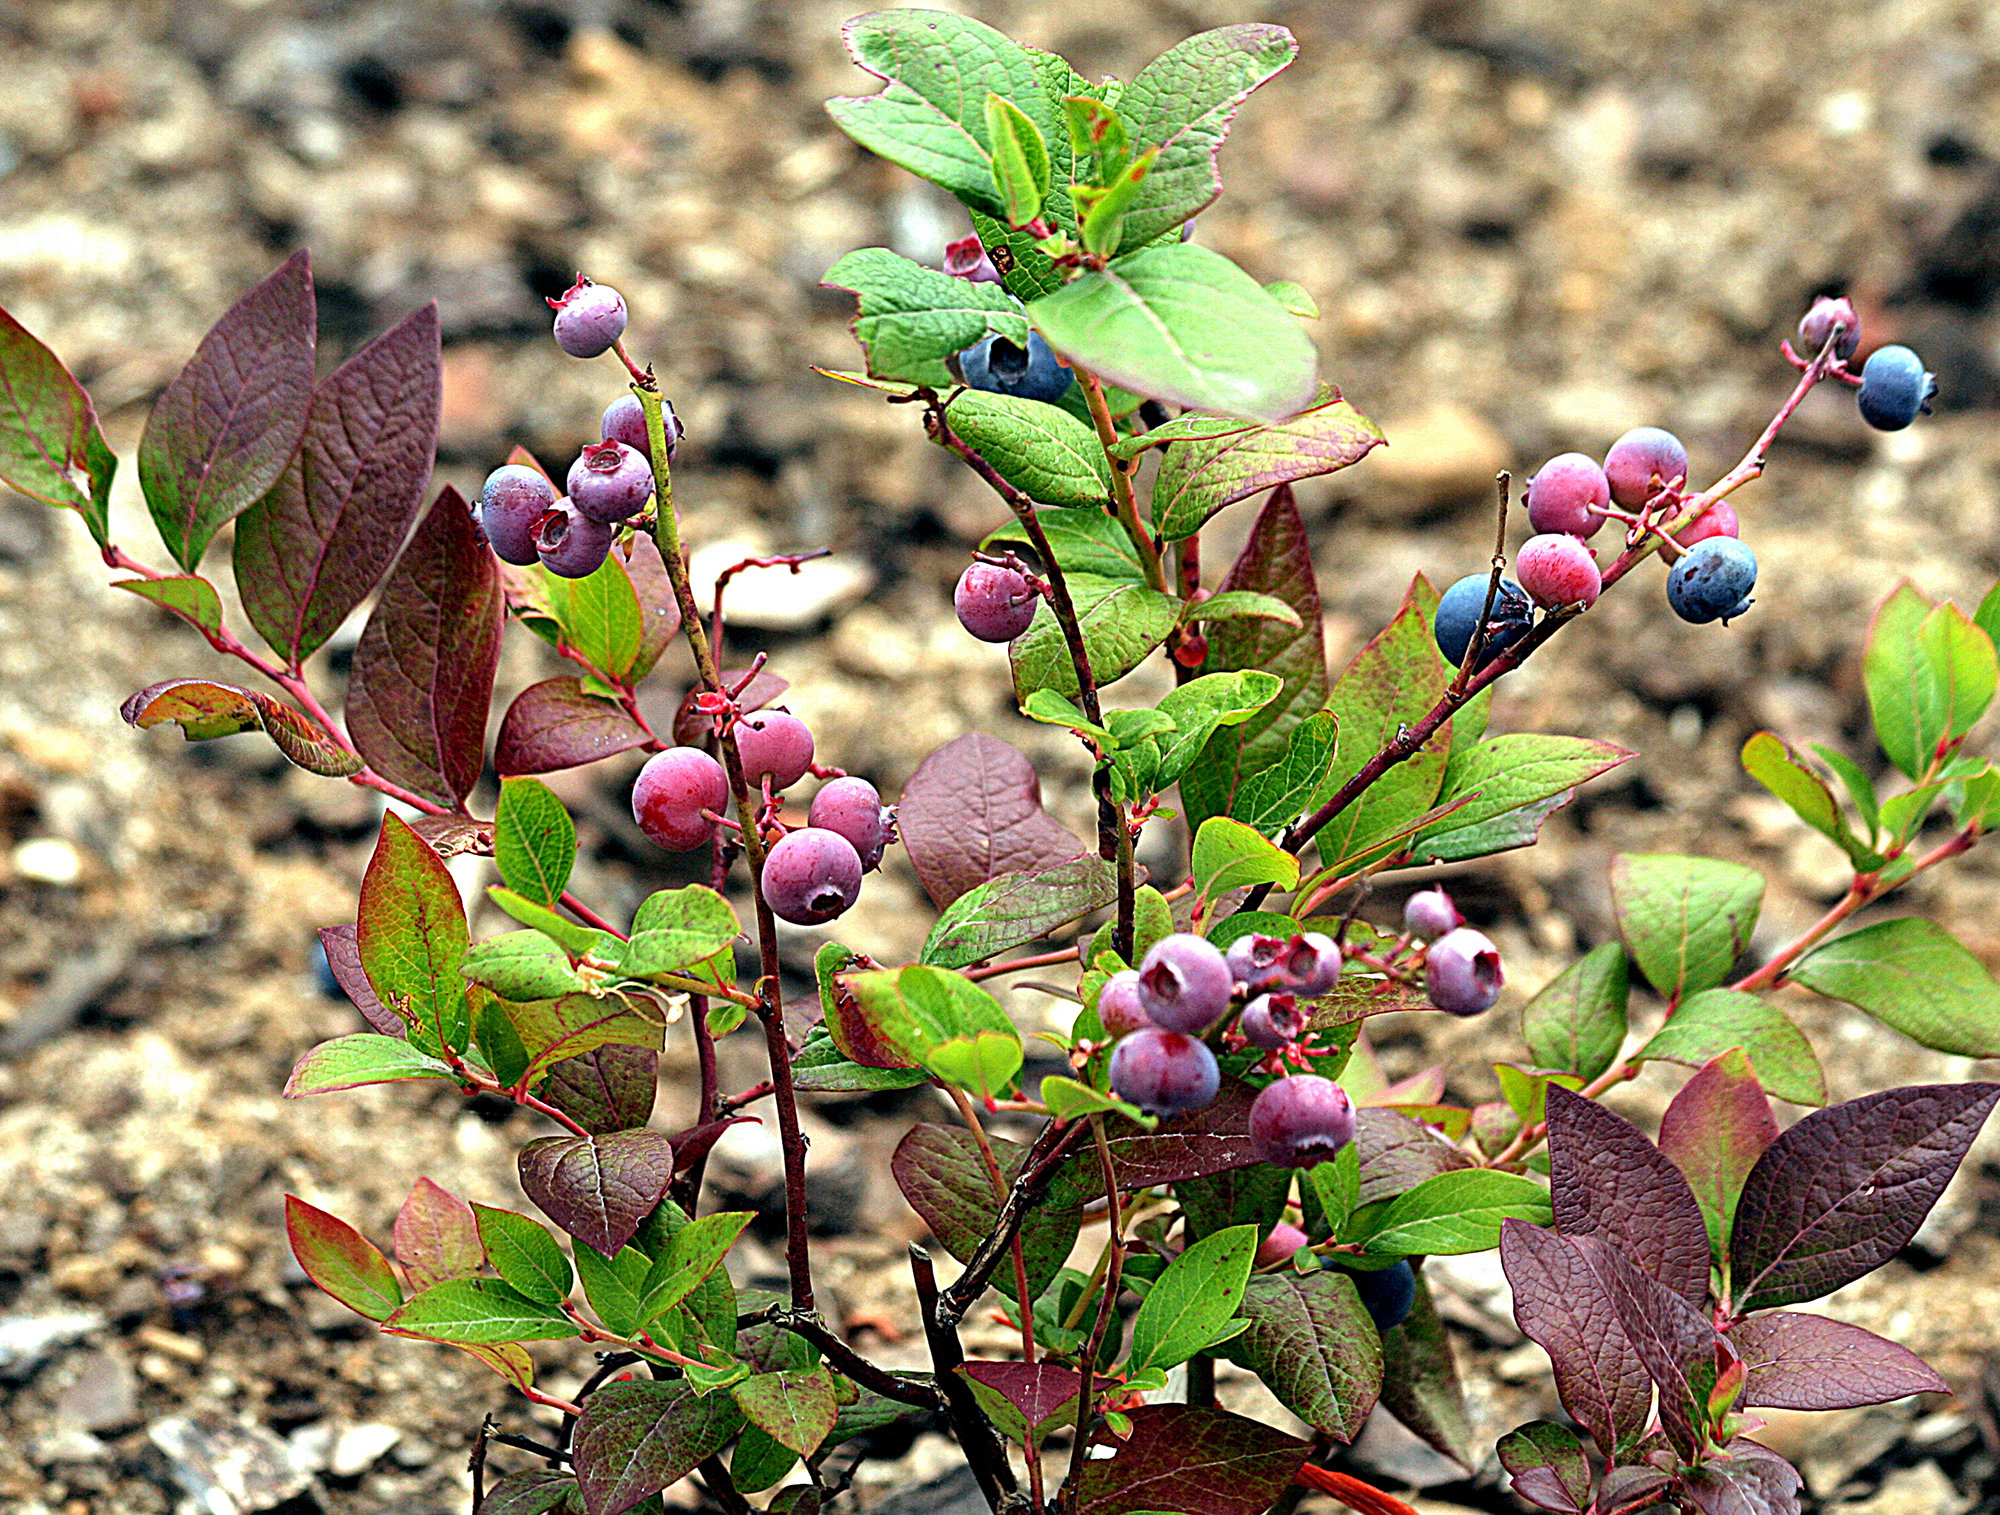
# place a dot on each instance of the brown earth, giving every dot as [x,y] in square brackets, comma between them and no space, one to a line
[1528,227]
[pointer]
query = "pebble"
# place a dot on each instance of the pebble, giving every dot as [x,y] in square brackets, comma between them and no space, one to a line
[1441,457]
[1921,1490]
[104,1395]
[48,860]
[227,1467]
[25,1340]
[358,1447]
[775,599]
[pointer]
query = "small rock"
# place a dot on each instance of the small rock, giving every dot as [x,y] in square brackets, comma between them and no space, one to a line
[104,1395]
[48,860]
[25,1340]
[776,599]
[1439,458]
[1386,1448]
[68,1444]
[228,1467]
[1921,1490]
[358,1447]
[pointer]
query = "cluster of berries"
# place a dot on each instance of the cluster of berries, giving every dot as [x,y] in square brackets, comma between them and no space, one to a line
[812,873]
[1894,389]
[1462,967]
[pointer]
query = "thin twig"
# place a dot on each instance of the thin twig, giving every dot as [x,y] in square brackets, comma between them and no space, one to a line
[985,1452]
[1107,1310]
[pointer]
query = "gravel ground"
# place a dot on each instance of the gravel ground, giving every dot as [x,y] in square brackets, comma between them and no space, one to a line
[1528,227]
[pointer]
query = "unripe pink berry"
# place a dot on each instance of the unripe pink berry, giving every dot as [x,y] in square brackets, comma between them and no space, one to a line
[1556,569]
[1301,1121]
[1719,520]
[1568,493]
[1284,1240]
[777,743]
[671,792]
[1118,1006]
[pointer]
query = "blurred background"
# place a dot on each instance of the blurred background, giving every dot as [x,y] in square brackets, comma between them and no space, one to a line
[1529,225]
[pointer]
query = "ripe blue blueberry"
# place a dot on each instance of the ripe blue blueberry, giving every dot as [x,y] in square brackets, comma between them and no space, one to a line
[625,421]
[1462,972]
[610,482]
[1254,961]
[513,499]
[1386,1293]
[1005,367]
[1164,1072]
[1712,581]
[1184,983]
[1895,389]
[1458,617]
[1300,1121]
[570,544]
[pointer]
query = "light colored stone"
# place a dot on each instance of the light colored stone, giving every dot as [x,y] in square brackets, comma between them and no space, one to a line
[48,860]
[776,599]
[357,1448]
[227,1467]
[26,1339]
[1921,1490]
[1440,457]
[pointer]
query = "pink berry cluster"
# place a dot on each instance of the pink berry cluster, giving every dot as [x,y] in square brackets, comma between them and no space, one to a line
[1462,973]
[812,873]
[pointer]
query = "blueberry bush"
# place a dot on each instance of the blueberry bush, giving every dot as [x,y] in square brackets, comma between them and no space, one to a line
[1266,1196]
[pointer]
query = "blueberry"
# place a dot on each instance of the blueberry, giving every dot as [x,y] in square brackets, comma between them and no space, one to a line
[1462,972]
[1895,389]
[1118,1007]
[1271,1021]
[1817,324]
[854,808]
[570,544]
[1386,1293]
[671,792]
[1712,581]
[1642,463]
[1719,520]
[1164,1072]
[1185,983]
[995,604]
[625,421]
[1300,1121]
[1458,617]
[512,500]
[1568,493]
[1006,368]
[1284,1240]
[589,318]
[1429,913]
[811,876]
[774,743]
[610,482]
[1556,569]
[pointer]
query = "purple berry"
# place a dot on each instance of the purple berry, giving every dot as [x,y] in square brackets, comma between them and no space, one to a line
[1311,961]
[1301,1121]
[610,482]
[1817,324]
[1284,1240]
[1462,973]
[1556,569]
[777,743]
[1254,961]
[1118,1006]
[1429,913]
[1271,1021]
[1642,463]
[625,421]
[995,604]
[854,808]
[513,498]
[1719,520]
[589,318]
[811,876]
[570,544]
[671,792]
[1568,494]
[1184,983]
[1164,1072]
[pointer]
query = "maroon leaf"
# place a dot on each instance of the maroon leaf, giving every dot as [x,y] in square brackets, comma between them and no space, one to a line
[1676,1342]
[1398,1153]
[204,710]
[423,672]
[1194,1460]
[1607,1180]
[693,1144]
[1838,1194]
[1715,1130]
[1312,1343]
[554,724]
[1562,1307]
[637,1438]
[598,1188]
[437,1236]
[691,727]
[310,550]
[1547,1465]
[973,811]
[1420,1384]
[342,1261]
[1277,560]
[1807,1362]
[608,1089]
[1036,1389]
[942,1175]
[534,1492]
[1749,1480]
[1210,1140]
[48,430]
[343,960]
[229,423]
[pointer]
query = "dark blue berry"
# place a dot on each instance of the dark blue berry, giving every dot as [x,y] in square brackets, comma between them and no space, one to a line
[514,499]
[1458,617]
[1895,389]
[1386,1293]
[1006,368]
[1712,581]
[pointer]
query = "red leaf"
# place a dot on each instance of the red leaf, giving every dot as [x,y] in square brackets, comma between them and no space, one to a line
[437,1236]
[1210,1140]
[204,710]
[659,610]
[341,1260]
[1807,1362]
[608,1089]
[423,672]
[638,1438]
[973,811]
[942,1175]
[554,724]
[229,423]
[48,429]
[310,550]
[598,1188]
[1676,1341]
[1196,1461]
[1398,1153]
[343,960]
[1715,1130]
[1036,1389]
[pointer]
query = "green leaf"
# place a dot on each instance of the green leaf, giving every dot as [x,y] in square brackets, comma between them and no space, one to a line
[1712,1022]
[476,1311]
[1686,920]
[554,1029]
[1121,624]
[944,1021]
[498,1042]
[534,840]
[1015,908]
[412,938]
[759,1461]
[1912,975]
[1301,780]
[348,1062]
[1336,1185]
[577,940]
[599,616]
[340,1259]
[188,596]
[677,928]
[931,116]
[524,1254]
[1152,919]
[1511,776]
[1201,706]
[1294,298]
[1020,160]
[1199,477]
[49,430]
[1230,855]
[1959,661]
[1454,1212]
[913,317]
[1930,672]
[1715,1130]
[1240,605]
[1193,1299]
[1096,131]
[1185,326]
[521,965]
[1312,1343]
[1577,1022]
[1860,788]
[1771,763]
[794,1409]
[1104,220]
[1903,815]
[1084,542]
[612,1285]
[696,1250]
[1182,103]
[1067,1099]
[1987,616]
[820,1068]
[1042,450]
[1976,799]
